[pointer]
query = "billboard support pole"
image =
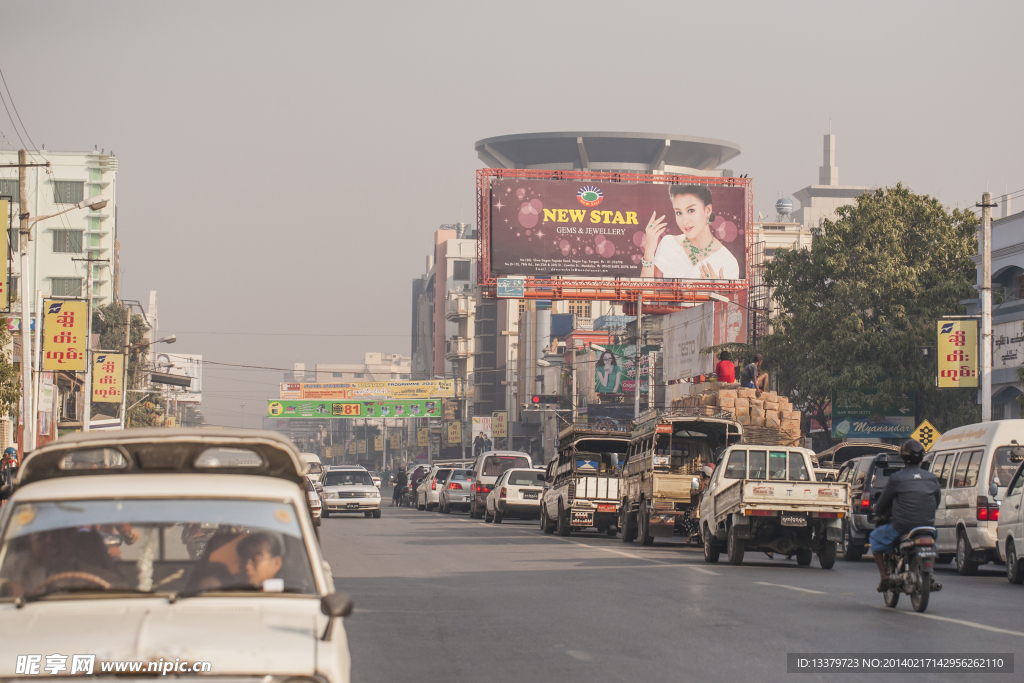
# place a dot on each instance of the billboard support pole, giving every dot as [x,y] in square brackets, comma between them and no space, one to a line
[636,362]
[985,345]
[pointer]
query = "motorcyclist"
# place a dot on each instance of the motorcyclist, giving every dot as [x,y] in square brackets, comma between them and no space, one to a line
[8,465]
[909,499]
[400,481]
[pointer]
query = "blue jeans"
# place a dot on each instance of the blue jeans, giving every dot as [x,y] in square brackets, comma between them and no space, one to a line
[884,539]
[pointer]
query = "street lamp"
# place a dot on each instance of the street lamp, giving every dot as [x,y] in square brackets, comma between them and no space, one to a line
[27,295]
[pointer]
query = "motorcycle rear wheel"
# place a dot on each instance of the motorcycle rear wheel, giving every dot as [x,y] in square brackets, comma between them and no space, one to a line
[922,589]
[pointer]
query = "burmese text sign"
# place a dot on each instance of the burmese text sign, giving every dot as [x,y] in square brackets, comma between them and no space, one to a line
[328,409]
[107,377]
[423,436]
[499,424]
[65,337]
[589,229]
[365,391]
[454,432]
[958,353]
[853,417]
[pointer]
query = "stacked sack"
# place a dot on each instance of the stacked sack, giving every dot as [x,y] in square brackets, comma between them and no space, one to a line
[767,410]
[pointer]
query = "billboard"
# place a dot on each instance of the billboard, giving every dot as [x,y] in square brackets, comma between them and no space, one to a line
[686,333]
[499,424]
[615,372]
[64,341]
[107,377]
[381,391]
[590,228]
[5,290]
[958,353]
[343,409]
[853,419]
[187,365]
[1008,346]
[423,436]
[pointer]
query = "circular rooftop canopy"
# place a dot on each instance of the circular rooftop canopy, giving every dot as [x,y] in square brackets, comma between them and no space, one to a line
[607,151]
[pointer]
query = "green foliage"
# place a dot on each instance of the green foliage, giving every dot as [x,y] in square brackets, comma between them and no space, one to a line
[10,380]
[861,303]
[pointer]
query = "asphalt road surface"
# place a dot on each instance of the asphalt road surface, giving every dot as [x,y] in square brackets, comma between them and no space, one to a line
[444,598]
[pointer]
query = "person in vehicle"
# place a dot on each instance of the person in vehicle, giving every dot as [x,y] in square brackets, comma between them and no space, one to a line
[42,558]
[726,369]
[753,378]
[261,557]
[910,499]
[401,479]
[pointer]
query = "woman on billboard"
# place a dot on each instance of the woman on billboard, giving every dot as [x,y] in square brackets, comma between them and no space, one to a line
[693,254]
[608,376]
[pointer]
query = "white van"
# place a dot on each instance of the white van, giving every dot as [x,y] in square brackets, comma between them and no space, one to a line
[974,464]
[1011,524]
[486,470]
[316,468]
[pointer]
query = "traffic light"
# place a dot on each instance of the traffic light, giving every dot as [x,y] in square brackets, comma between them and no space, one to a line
[546,399]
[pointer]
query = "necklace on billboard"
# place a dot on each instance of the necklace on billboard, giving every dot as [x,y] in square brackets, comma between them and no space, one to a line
[697,253]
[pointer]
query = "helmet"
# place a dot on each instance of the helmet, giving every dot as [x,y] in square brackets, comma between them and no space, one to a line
[912,452]
[708,470]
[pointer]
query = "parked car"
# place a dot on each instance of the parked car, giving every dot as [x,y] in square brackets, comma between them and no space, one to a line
[847,450]
[161,529]
[375,476]
[515,494]
[350,489]
[428,495]
[1011,525]
[488,467]
[315,502]
[974,464]
[867,476]
[456,492]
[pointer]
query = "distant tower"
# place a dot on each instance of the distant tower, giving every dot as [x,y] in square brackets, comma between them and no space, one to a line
[783,209]
[828,174]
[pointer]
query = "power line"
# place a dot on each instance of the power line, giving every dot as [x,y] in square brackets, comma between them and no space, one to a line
[16,111]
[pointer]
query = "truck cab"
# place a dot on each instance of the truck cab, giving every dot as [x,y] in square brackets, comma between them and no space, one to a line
[583,482]
[666,453]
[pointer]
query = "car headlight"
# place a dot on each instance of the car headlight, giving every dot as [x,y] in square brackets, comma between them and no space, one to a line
[332,495]
[374,494]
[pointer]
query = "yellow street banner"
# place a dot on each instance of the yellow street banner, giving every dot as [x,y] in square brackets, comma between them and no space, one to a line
[927,434]
[361,446]
[396,440]
[65,337]
[958,353]
[378,443]
[107,377]
[5,290]
[454,432]
[423,436]
[499,424]
[352,448]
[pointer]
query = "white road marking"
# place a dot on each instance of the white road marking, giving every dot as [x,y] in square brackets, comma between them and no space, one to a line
[576,654]
[962,622]
[792,588]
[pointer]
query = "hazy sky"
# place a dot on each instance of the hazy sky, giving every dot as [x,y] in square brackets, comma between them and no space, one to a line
[283,165]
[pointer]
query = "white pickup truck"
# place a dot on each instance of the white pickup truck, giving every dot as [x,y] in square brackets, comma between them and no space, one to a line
[765,498]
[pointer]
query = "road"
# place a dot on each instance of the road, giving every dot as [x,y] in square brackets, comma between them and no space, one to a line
[447,598]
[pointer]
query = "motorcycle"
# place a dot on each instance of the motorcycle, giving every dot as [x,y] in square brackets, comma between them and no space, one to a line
[909,568]
[405,497]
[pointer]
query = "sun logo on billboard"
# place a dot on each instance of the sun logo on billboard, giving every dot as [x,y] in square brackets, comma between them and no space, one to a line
[275,409]
[589,195]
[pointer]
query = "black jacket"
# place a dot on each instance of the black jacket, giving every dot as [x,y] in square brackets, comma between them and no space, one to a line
[910,498]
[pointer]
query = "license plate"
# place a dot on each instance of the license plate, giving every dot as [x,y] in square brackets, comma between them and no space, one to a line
[582,518]
[793,520]
[926,553]
[352,506]
[531,495]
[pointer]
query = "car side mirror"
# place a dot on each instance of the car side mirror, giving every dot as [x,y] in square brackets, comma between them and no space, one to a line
[694,484]
[319,487]
[334,605]
[993,489]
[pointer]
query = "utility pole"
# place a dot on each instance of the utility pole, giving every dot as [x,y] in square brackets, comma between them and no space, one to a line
[88,346]
[28,435]
[636,362]
[124,379]
[985,347]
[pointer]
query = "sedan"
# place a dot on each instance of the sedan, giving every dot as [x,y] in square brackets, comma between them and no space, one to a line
[350,490]
[516,494]
[456,492]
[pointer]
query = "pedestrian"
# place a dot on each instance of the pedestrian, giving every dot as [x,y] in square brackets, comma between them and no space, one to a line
[753,378]
[726,369]
[478,444]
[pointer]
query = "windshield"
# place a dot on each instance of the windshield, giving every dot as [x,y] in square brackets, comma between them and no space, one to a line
[526,478]
[348,478]
[154,546]
[1005,463]
[495,465]
[460,475]
[315,468]
[884,470]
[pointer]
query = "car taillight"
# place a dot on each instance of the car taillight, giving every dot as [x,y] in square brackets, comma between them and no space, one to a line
[865,504]
[503,492]
[759,513]
[433,485]
[455,486]
[987,511]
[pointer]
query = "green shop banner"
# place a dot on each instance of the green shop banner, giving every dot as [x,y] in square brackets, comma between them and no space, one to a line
[853,418]
[325,409]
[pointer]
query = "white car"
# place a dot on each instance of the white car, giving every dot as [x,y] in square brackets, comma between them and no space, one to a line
[516,494]
[428,493]
[151,546]
[376,478]
[350,489]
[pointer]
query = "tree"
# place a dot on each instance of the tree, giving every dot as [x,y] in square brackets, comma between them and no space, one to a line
[859,305]
[10,380]
[109,323]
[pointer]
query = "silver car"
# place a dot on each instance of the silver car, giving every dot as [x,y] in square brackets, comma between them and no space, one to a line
[350,490]
[457,491]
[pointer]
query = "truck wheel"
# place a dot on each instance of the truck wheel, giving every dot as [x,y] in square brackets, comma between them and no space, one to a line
[735,547]
[711,550]
[804,556]
[562,523]
[964,566]
[611,532]
[827,555]
[546,525]
[628,523]
[644,526]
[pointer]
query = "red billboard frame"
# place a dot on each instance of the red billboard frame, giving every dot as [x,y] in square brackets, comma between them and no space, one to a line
[656,292]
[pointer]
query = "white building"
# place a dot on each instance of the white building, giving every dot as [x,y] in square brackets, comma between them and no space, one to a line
[60,243]
[376,367]
[819,202]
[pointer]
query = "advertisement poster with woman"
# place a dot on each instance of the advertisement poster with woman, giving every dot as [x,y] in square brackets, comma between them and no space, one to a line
[687,231]
[614,370]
